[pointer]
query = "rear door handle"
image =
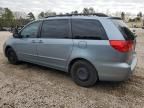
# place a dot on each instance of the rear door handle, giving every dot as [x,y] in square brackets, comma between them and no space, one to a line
[40,41]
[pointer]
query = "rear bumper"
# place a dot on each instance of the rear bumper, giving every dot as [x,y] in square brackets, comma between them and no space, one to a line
[133,64]
[116,71]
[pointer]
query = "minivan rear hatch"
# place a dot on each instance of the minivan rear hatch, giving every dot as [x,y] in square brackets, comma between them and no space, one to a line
[130,39]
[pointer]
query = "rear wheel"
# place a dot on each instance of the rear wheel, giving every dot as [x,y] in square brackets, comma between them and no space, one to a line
[83,73]
[12,57]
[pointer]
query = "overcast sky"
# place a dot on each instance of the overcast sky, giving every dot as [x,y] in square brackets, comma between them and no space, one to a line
[36,6]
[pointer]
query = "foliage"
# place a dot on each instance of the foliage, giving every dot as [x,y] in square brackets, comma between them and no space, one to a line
[123,16]
[31,16]
[49,13]
[7,19]
[46,14]
[74,12]
[139,14]
[41,15]
[91,10]
[88,11]
[131,20]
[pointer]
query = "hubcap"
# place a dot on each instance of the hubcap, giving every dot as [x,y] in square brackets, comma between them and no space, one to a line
[82,74]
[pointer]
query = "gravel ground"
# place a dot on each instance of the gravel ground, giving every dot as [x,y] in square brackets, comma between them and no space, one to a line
[27,85]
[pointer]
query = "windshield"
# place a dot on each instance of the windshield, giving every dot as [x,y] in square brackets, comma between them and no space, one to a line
[128,35]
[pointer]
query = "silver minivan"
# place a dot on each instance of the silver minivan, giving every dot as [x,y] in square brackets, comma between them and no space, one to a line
[90,48]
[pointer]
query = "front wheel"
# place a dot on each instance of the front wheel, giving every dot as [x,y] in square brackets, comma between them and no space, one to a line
[12,57]
[84,74]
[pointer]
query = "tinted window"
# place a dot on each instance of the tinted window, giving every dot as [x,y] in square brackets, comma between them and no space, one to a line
[55,29]
[88,29]
[31,30]
[128,35]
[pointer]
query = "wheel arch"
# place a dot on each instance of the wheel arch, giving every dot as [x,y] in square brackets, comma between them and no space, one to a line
[77,59]
[7,47]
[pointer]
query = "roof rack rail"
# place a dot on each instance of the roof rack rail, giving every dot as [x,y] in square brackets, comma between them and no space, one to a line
[95,14]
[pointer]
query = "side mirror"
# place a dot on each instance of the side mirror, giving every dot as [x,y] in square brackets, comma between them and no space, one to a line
[15,33]
[19,29]
[16,36]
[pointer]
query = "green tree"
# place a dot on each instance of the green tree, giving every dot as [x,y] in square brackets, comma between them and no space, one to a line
[88,11]
[1,23]
[85,11]
[60,13]
[74,12]
[138,19]
[8,14]
[139,16]
[7,18]
[31,16]
[50,13]
[41,15]
[91,10]
[123,16]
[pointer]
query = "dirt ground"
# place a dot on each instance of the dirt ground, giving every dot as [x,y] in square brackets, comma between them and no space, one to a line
[27,85]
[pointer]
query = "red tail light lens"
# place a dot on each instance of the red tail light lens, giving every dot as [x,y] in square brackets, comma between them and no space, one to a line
[122,45]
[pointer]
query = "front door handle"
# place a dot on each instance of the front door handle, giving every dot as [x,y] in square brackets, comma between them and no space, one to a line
[40,41]
[33,41]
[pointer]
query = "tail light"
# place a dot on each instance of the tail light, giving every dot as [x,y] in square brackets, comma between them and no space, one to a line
[122,45]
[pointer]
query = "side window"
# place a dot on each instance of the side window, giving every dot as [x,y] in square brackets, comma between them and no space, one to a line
[55,29]
[88,29]
[31,30]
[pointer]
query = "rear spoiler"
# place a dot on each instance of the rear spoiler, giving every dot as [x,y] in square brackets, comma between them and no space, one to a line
[117,18]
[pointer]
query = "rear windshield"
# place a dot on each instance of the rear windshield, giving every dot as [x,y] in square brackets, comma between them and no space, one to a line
[128,35]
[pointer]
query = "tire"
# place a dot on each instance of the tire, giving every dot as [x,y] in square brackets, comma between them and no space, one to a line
[83,73]
[12,57]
